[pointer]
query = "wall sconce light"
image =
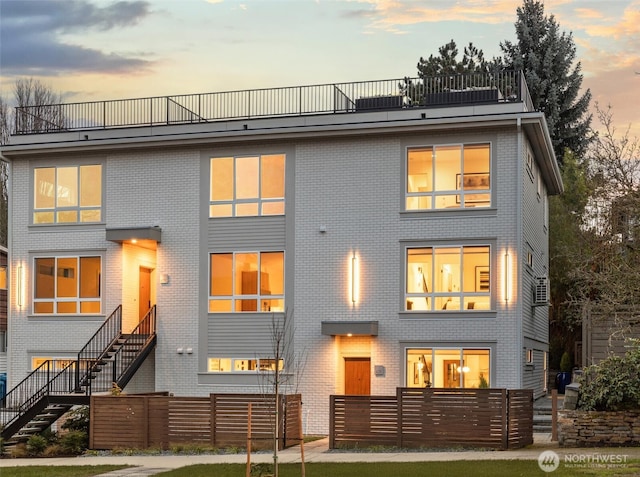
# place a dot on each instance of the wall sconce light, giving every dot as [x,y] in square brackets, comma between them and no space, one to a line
[355,282]
[507,277]
[20,286]
[180,351]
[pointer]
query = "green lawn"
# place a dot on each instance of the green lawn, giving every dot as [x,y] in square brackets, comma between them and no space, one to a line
[484,468]
[61,471]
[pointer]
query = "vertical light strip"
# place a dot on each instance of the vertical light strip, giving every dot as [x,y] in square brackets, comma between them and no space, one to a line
[507,277]
[354,271]
[20,287]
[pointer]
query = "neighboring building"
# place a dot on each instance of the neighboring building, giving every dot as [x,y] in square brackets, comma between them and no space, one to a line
[407,238]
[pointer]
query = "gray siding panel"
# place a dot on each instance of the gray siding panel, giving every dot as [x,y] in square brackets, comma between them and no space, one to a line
[246,233]
[244,336]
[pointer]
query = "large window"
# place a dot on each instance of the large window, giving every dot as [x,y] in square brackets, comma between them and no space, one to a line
[246,282]
[67,195]
[448,177]
[239,365]
[448,278]
[247,186]
[448,368]
[67,285]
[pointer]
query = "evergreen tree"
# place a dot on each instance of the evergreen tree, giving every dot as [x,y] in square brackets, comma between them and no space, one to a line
[547,58]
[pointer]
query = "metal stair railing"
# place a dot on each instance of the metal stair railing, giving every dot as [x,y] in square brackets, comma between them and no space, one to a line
[44,381]
[133,347]
[90,356]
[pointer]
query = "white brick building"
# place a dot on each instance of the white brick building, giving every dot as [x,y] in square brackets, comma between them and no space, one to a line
[406,242]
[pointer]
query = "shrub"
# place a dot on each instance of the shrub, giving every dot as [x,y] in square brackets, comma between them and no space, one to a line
[53,450]
[613,384]
[77,420]
[36,445]
[74,442]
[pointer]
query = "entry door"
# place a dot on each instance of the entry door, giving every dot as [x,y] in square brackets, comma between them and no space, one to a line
[144,295]
[357,376]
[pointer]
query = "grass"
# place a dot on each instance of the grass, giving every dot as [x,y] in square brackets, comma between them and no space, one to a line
[58,471]
[481,468]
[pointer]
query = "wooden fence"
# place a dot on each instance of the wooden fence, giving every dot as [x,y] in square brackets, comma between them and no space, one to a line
[494,418]
[220,420]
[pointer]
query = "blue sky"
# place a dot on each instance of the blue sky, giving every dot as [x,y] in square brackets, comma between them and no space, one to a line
[101,49]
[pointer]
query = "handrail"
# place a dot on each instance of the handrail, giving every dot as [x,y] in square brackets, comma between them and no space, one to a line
[335,98]
[90,354]
[41,382]
[130,345]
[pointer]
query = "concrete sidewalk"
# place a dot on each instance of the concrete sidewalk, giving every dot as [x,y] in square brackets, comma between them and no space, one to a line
[316,451]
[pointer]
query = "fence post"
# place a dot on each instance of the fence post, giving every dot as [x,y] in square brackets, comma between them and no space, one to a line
[505,419]
[332,422]
[212,398]
[399,415]
[248,469]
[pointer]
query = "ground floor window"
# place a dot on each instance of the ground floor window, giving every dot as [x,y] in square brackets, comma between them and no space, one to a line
[448,368]
[239,365]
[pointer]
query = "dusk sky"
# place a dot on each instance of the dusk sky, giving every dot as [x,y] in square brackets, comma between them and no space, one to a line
[92,50]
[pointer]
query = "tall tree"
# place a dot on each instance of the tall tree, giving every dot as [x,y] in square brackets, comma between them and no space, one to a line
[547,58]
[4,174]
[447,62]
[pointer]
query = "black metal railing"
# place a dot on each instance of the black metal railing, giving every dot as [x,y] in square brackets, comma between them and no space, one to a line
[442,90]
[90,355]
[47,379]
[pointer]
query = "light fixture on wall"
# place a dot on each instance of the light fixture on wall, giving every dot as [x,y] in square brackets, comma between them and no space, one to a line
[20,286]
[354,279]
[507,277]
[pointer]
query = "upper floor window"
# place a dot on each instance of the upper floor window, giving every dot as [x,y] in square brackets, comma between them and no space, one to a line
[448,177]
[246,281]
[67,285]
[448,278]
[3,278]
[67,195]
[247,186]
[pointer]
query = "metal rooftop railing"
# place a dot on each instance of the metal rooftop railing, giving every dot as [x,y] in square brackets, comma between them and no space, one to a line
[336,98]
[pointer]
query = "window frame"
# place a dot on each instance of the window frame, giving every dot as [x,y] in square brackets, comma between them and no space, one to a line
[78,208]
[432,377]
[462,296]
[235,202]
[460,191]
[234,298]
[77,299]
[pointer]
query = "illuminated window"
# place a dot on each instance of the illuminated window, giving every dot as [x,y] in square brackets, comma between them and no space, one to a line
[448,177]
[448,368]
[239,365]
[246,282]
[67,195]
[448,278]
[3,278]
[247,186]
[55,364]
[67,285]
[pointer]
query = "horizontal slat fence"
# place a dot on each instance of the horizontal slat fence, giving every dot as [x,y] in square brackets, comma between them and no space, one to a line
[220,420]
[492,418]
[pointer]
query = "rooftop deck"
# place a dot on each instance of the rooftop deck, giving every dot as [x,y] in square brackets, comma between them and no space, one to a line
[335,98]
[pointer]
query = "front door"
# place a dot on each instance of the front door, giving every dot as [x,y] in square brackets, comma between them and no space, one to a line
[357,376]
[144,297]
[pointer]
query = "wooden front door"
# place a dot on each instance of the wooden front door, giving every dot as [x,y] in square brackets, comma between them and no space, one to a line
[357,376]
[144,294]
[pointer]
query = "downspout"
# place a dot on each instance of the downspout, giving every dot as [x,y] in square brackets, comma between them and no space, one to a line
[519,228]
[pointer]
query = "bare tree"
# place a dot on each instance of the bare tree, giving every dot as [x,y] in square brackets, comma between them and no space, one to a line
[284,373]
[37,109]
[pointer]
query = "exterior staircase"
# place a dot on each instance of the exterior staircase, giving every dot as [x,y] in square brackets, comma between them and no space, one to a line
[542,414]
[110,358]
